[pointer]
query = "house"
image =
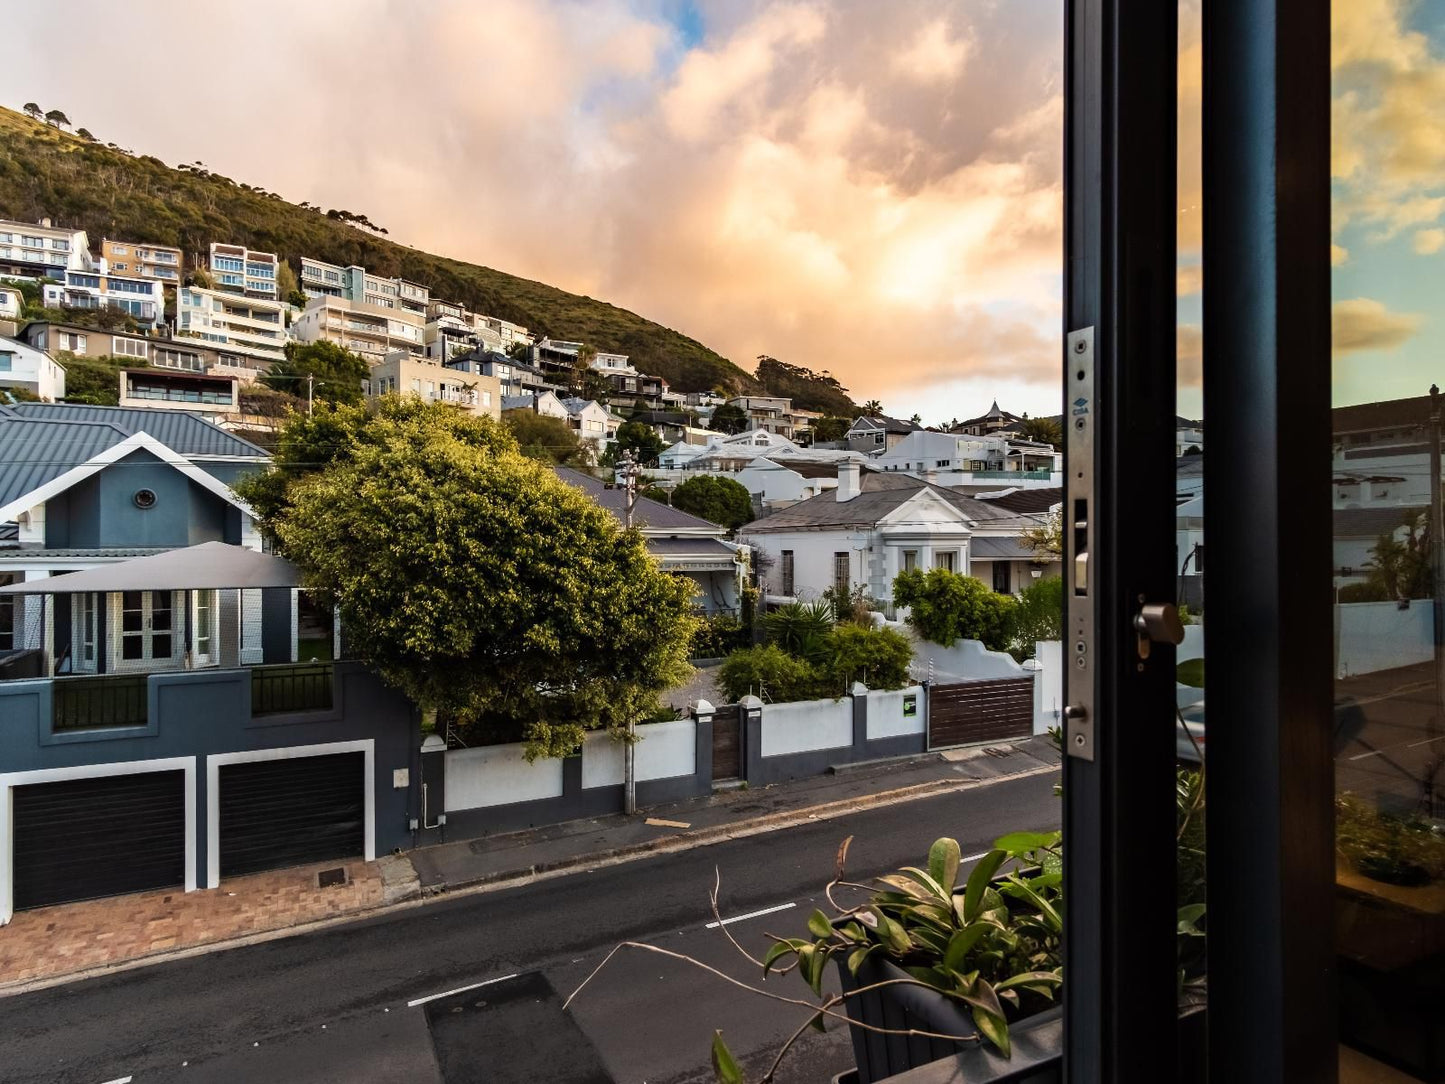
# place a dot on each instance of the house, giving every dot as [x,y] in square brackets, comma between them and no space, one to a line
[874,525]
[169,389]
[591,420]
[40,250]
[516,377]
[545,403]
[1188,436]
[186,354]
[876,434]
[995,422]
[951,459]
[236,269]
[142,299]
[25,368]
[12,303]
[250,329]
[162,263]
[317,278]
[777,481]
[364,328]
[682,543]
[403,374]
[773,413]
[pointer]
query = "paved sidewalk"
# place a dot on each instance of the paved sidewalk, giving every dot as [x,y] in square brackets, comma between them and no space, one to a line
[72,940]
[81,937]
[721,815]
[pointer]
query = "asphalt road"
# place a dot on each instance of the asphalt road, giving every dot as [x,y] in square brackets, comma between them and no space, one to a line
[398,997]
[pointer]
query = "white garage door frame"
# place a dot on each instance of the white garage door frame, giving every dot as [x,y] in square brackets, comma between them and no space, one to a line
[11,780]
[215,761]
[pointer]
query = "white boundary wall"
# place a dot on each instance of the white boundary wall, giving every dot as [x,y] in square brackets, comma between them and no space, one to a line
[885,713]
[499,775]
[664,751]
[965,660]
[1048,685]
[807,725]
[1371,636]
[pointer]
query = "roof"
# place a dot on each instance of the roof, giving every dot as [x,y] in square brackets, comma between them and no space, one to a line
[35,452]
[880,493]
[26,554]
[517,402]
[887,424]
[1001,549]
[994,415]
[689,547]
[576,404]
[646,513]
[1027,500]
[207,567]
[808,468]
[1373,522]
[1390,414]
[189,434]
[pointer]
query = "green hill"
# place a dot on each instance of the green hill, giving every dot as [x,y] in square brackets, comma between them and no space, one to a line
[108,192]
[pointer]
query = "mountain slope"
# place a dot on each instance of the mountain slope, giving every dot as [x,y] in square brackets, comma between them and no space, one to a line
[109,193]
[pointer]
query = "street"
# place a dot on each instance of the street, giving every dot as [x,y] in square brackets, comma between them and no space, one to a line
[470,988]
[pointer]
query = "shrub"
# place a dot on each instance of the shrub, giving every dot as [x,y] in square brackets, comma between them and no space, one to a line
[946,607]
[718,636]
[877,657]
[800,628]
[1038,615]
[770,670]
[1363,592]
[854,605]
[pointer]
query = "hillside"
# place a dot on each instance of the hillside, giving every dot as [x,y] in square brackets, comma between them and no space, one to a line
[109,193]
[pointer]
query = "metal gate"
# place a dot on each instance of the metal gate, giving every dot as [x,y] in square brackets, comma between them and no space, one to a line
[84,838]
[727,742]
[278,813]
[976,711]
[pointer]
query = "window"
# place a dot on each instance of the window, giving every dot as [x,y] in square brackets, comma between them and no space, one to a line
[910,560]
[7,361]
[945,559]
[118,250]
[128,348]
[486,398]
[842,572]
[119,267]
[72,341]
[788,572]
[943,462]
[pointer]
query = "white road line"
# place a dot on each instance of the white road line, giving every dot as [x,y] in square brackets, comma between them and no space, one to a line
[974,857]
[750,914]
[458,990]
[119,1080]
[1362,756]
[1427,741]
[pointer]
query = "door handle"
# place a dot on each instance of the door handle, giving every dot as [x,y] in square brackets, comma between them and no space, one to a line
[1157,623]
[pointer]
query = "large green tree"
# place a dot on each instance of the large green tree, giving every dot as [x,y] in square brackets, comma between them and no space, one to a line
[476,581]
[1042,430]
[723,501]
[728,419]
[830,429]
[945,607]
[338,372]
[640,439]
[540,436]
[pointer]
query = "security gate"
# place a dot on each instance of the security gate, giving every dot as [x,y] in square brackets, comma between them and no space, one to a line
[288,812]
[79,839]
[727,744]
[976,711]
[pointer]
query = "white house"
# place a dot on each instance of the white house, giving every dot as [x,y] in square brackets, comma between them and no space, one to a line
[28,369]
[876,434]
[590,419]
[875,525]
[143,299]
[12,303]
[961,459]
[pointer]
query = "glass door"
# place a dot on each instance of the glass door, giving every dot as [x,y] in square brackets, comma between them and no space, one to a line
[203,628]
[146,627]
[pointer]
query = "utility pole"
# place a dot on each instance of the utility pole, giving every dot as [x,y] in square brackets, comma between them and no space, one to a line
[626,473]
[310,387]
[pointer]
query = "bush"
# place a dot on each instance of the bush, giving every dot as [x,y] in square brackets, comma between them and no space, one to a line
[879,658]
[1363,592]
[1038,615]
[946,607]
[839,656]
[767,670]
[800,628]
[718,636]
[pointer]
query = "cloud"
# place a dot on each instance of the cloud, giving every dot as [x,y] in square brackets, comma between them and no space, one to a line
[1189,354]
[1362,323]
[934,55]
[1429,242]
[1188,279]
[1339,255]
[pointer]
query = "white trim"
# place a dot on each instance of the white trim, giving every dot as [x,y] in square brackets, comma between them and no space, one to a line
[215,761]
[11,780]
[139,441]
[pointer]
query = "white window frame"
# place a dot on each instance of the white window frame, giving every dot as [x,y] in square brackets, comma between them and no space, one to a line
[125,348]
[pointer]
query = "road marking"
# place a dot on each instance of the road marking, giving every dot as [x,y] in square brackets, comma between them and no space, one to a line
[1427,741]
[974,857]
[119,1080]
[458,990]
[750,914]
[1362,756]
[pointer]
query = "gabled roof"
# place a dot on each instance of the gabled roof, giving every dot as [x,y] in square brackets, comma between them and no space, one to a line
[887,424]
[187,434]
[1026,500]
[1391,414]
[33,453]
[881,492]
[647,514]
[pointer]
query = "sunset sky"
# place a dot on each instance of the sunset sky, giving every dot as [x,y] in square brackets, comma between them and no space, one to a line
[873,189]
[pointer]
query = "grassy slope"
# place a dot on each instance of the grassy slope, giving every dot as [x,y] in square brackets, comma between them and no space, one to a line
[108,193]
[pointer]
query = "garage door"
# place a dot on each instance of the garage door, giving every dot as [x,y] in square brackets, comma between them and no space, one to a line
[277,813]
[83,838]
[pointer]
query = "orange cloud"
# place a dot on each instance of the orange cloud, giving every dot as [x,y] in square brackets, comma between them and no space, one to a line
[1362,323]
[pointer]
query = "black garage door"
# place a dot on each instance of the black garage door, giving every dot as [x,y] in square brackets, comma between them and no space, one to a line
[277,813]
[84,838]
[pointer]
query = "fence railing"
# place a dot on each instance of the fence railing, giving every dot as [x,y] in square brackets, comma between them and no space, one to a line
[108,700]
[281,689]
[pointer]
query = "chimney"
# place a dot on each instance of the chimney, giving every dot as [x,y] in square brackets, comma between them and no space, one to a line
[848,485]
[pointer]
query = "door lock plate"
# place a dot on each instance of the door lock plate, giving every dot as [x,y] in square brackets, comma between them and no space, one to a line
[1080,513]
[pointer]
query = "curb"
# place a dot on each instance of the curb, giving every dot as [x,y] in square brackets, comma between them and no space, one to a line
[410,897]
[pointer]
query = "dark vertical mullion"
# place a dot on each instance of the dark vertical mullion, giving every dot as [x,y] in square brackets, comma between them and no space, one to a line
[1119,820]
[1268,629]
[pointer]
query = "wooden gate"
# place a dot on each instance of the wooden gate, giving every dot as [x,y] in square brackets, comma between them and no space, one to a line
[727,742]
[977,711]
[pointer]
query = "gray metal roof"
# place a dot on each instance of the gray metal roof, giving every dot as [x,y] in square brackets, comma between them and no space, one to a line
[689,547]
[207,567]
[1373,522]
[650,515]
[880,492]
[35,452]
[1028,500]
[27,554]
[1001,549]
[182,432]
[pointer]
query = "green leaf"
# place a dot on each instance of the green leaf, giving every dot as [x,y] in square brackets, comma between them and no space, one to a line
[724,1065]
[960,944]
[819,926]
[973,895]
[1030,979]
[1017,843]
[994,1028]
[943,859]
[777,952]
[819,1022]
[857,956]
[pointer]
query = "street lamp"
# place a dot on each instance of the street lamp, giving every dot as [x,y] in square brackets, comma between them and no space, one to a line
[626,472]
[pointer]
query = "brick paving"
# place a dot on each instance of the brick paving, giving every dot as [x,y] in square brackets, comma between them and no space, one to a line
[73,937]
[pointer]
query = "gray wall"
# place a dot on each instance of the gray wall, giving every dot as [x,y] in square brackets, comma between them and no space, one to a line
[197,712]
[101,510]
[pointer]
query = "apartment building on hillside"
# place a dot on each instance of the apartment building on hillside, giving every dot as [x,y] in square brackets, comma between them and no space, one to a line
[402,373]
[163,263]
[144,300]
[169,389]
[250,329]
[40,250]
[186,355]
[373,331]
[236,269]
[321,279]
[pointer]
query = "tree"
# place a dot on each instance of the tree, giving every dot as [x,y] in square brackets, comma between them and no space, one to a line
[519,351]
[259,401]
[548,439]
[94,380]
[873,408]
[830,429]
[201,279]
[338,372]
[57,118]
[728,419]
[1039,615]
[481,585]
[946,607]
[286,284]
[1042,431]
[1046,538]
[84,134]
[639,439]
[1400,561]
[723,501]
[917,419]
[32,111]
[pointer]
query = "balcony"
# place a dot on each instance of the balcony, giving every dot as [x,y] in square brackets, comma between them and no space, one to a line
[102,701]
[280,690]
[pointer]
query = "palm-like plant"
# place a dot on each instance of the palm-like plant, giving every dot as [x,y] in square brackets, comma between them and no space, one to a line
[800,628]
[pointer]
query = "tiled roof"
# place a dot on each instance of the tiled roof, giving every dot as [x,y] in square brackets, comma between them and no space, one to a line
[879,494]
[646,513]
[1028,500]
[187,434]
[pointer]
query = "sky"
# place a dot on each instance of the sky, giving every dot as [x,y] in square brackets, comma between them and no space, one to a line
[870,189]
